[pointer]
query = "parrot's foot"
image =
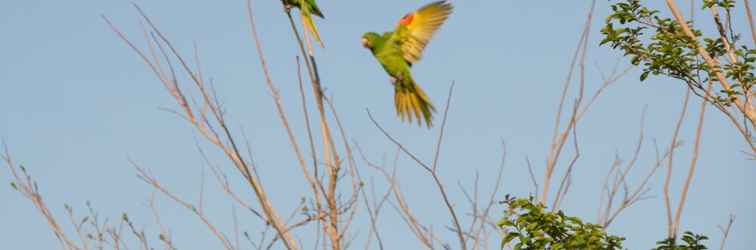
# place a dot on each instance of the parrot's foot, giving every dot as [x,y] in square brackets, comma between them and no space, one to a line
[395,80]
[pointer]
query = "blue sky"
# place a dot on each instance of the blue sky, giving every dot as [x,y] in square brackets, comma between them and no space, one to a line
[76,104]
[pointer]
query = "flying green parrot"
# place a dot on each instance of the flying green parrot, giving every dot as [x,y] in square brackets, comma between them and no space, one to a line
[396,51]
[307,8]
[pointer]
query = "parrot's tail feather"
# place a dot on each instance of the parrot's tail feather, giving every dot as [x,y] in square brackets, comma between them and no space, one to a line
[312,29]
[411,101]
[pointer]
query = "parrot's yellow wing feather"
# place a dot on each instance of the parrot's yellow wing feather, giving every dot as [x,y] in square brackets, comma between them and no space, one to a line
[417,28]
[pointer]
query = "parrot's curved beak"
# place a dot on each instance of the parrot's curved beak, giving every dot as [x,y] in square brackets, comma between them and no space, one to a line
[365,43]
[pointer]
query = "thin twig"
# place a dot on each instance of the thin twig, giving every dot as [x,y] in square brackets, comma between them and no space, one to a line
[432,169]
[671,231]
[29,189]
[560,138]
[417,229]
[726,231]
[152,181]
[491,200]
[750,21]
[693,164]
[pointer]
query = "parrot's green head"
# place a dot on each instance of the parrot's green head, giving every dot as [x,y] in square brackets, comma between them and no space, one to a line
[370,39]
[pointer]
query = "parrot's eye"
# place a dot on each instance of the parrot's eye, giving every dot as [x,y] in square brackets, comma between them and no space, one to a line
[365,43]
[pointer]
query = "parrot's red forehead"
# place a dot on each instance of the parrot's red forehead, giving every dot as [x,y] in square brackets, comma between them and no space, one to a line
[407,19]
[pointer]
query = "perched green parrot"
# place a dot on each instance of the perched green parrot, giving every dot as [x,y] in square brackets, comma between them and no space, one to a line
[396,51]
[307,8]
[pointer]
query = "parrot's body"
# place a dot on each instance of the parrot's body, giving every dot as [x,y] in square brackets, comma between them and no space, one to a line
[307,8]
[396,51]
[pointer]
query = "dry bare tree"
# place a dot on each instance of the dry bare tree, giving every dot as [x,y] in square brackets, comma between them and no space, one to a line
[338,189]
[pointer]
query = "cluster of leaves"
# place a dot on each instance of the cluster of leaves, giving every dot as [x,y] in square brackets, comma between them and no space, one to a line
[691,242]
[727,4]
[661,47]
[528,225]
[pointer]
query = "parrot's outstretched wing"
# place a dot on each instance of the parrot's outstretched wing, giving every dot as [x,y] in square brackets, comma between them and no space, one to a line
[416,29]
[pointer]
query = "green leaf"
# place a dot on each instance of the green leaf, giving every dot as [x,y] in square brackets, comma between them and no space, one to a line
[644,75]
[509,238]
